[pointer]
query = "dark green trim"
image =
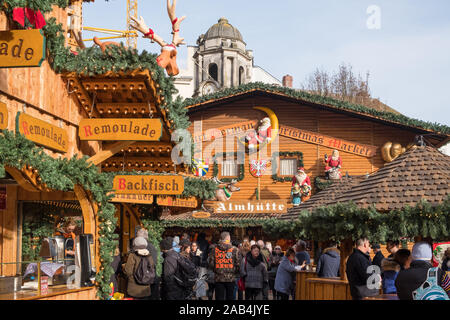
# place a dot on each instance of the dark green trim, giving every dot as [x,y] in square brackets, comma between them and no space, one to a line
[276,155]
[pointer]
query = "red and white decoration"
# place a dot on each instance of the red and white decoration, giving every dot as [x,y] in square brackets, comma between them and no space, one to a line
[258,167]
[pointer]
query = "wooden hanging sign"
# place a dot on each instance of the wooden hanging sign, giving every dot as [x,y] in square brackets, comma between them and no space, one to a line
[177,202]
[120,129]
[42,132]
[201,215]
[133,198]
[148,184]
[22,48]
[251,206]
[3,116]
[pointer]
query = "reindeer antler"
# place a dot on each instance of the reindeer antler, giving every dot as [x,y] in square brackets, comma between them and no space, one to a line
[146,31]
[176,40]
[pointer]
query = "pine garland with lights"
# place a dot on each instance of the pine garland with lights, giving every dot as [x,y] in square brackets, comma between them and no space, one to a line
[322,184]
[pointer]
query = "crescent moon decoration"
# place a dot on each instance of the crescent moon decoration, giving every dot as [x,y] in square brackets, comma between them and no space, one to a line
[274,123]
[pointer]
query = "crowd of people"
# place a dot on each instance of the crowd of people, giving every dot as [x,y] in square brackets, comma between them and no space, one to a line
[252,270]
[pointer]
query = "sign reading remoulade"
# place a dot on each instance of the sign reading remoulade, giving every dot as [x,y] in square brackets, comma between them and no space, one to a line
[150,184]
[251,206]
[3,116]
[22,48]
[42,132]
[120,129]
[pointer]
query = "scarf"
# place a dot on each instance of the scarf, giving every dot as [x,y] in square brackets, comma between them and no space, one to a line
[252,261]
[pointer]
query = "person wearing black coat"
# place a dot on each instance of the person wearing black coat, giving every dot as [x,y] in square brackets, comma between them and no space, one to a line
[409,280]
[203,245]
[170,289]
[277,255]
[357,265]
[378,258]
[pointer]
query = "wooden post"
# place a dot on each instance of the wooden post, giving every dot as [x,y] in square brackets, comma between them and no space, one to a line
[346,250]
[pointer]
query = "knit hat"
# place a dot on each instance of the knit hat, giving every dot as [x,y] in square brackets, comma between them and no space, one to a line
[176,240]
[142,233]
[139,243]
[166,244]
[422,251]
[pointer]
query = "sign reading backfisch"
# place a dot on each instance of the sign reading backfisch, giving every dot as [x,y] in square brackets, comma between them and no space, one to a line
[3,116]
[42,132]
[253,206]
[151,184]
[22,48]
[120,129]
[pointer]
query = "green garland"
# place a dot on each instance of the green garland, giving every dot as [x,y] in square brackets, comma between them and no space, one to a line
[306,96]
[35,229]
[63,174]
[276,155]
[322,184]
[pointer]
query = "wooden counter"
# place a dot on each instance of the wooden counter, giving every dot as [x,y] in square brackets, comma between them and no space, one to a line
[54,293]
[301,290]
[327,289]
[392,297]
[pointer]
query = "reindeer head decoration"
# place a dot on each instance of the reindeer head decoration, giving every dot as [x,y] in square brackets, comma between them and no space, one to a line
[168,57]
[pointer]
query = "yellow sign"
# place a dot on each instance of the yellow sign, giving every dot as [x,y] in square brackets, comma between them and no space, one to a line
[133,198]
[42,132]
[120,129]
[3,116]
[251,206]
[148,184]
[177,202]
[201,215]
[22,48]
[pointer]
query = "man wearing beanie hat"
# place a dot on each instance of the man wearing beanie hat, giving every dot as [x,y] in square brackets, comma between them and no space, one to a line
[410,279]
[139,251]
[170,290]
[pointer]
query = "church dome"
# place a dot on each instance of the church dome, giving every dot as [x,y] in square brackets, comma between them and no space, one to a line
[223,29]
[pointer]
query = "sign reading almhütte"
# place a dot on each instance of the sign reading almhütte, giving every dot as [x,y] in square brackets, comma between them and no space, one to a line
[251,206]
[22,48]
[42,132]
[120,129]
[3,116]
[150,184]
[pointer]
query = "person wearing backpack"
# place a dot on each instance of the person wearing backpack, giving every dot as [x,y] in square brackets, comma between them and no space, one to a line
[140,270]
[225,259]
[410,280]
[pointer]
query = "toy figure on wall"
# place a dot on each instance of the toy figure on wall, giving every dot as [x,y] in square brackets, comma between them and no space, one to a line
[333,166]
[301,187]
[262,135]
[168,57]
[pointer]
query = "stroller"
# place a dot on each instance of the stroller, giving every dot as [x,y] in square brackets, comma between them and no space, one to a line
[200,289]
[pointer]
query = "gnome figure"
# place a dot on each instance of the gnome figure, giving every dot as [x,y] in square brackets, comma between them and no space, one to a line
[302,179]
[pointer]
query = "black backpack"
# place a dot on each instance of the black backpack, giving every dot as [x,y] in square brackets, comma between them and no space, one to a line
[145,272]
[186,273]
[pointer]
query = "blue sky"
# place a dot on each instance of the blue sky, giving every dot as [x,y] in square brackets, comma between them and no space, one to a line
[408,57]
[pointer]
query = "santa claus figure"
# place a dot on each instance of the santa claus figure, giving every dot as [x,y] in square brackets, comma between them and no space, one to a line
[262,135]
[302,179]
[333,166]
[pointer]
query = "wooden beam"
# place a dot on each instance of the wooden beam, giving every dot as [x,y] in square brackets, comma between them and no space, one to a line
[108,153]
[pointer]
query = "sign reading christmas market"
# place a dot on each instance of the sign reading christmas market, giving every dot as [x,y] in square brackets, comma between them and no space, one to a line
[177,202]
[251,206]
[22,48]
[148,184]
[3,116]
[133,198]
[42,132]
[120,129]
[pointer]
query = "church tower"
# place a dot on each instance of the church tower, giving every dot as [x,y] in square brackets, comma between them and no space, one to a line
[219,60]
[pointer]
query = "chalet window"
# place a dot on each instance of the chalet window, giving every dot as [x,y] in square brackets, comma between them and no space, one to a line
[230,168]
[288,167]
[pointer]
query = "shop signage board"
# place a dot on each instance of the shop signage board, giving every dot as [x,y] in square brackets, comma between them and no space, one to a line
[120,129]
[251,206]
[3,116]
[42,132]
[44,285]
[133,198]
[148,184]
[363,150]
[201,215]
[177,202]
[22,48]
